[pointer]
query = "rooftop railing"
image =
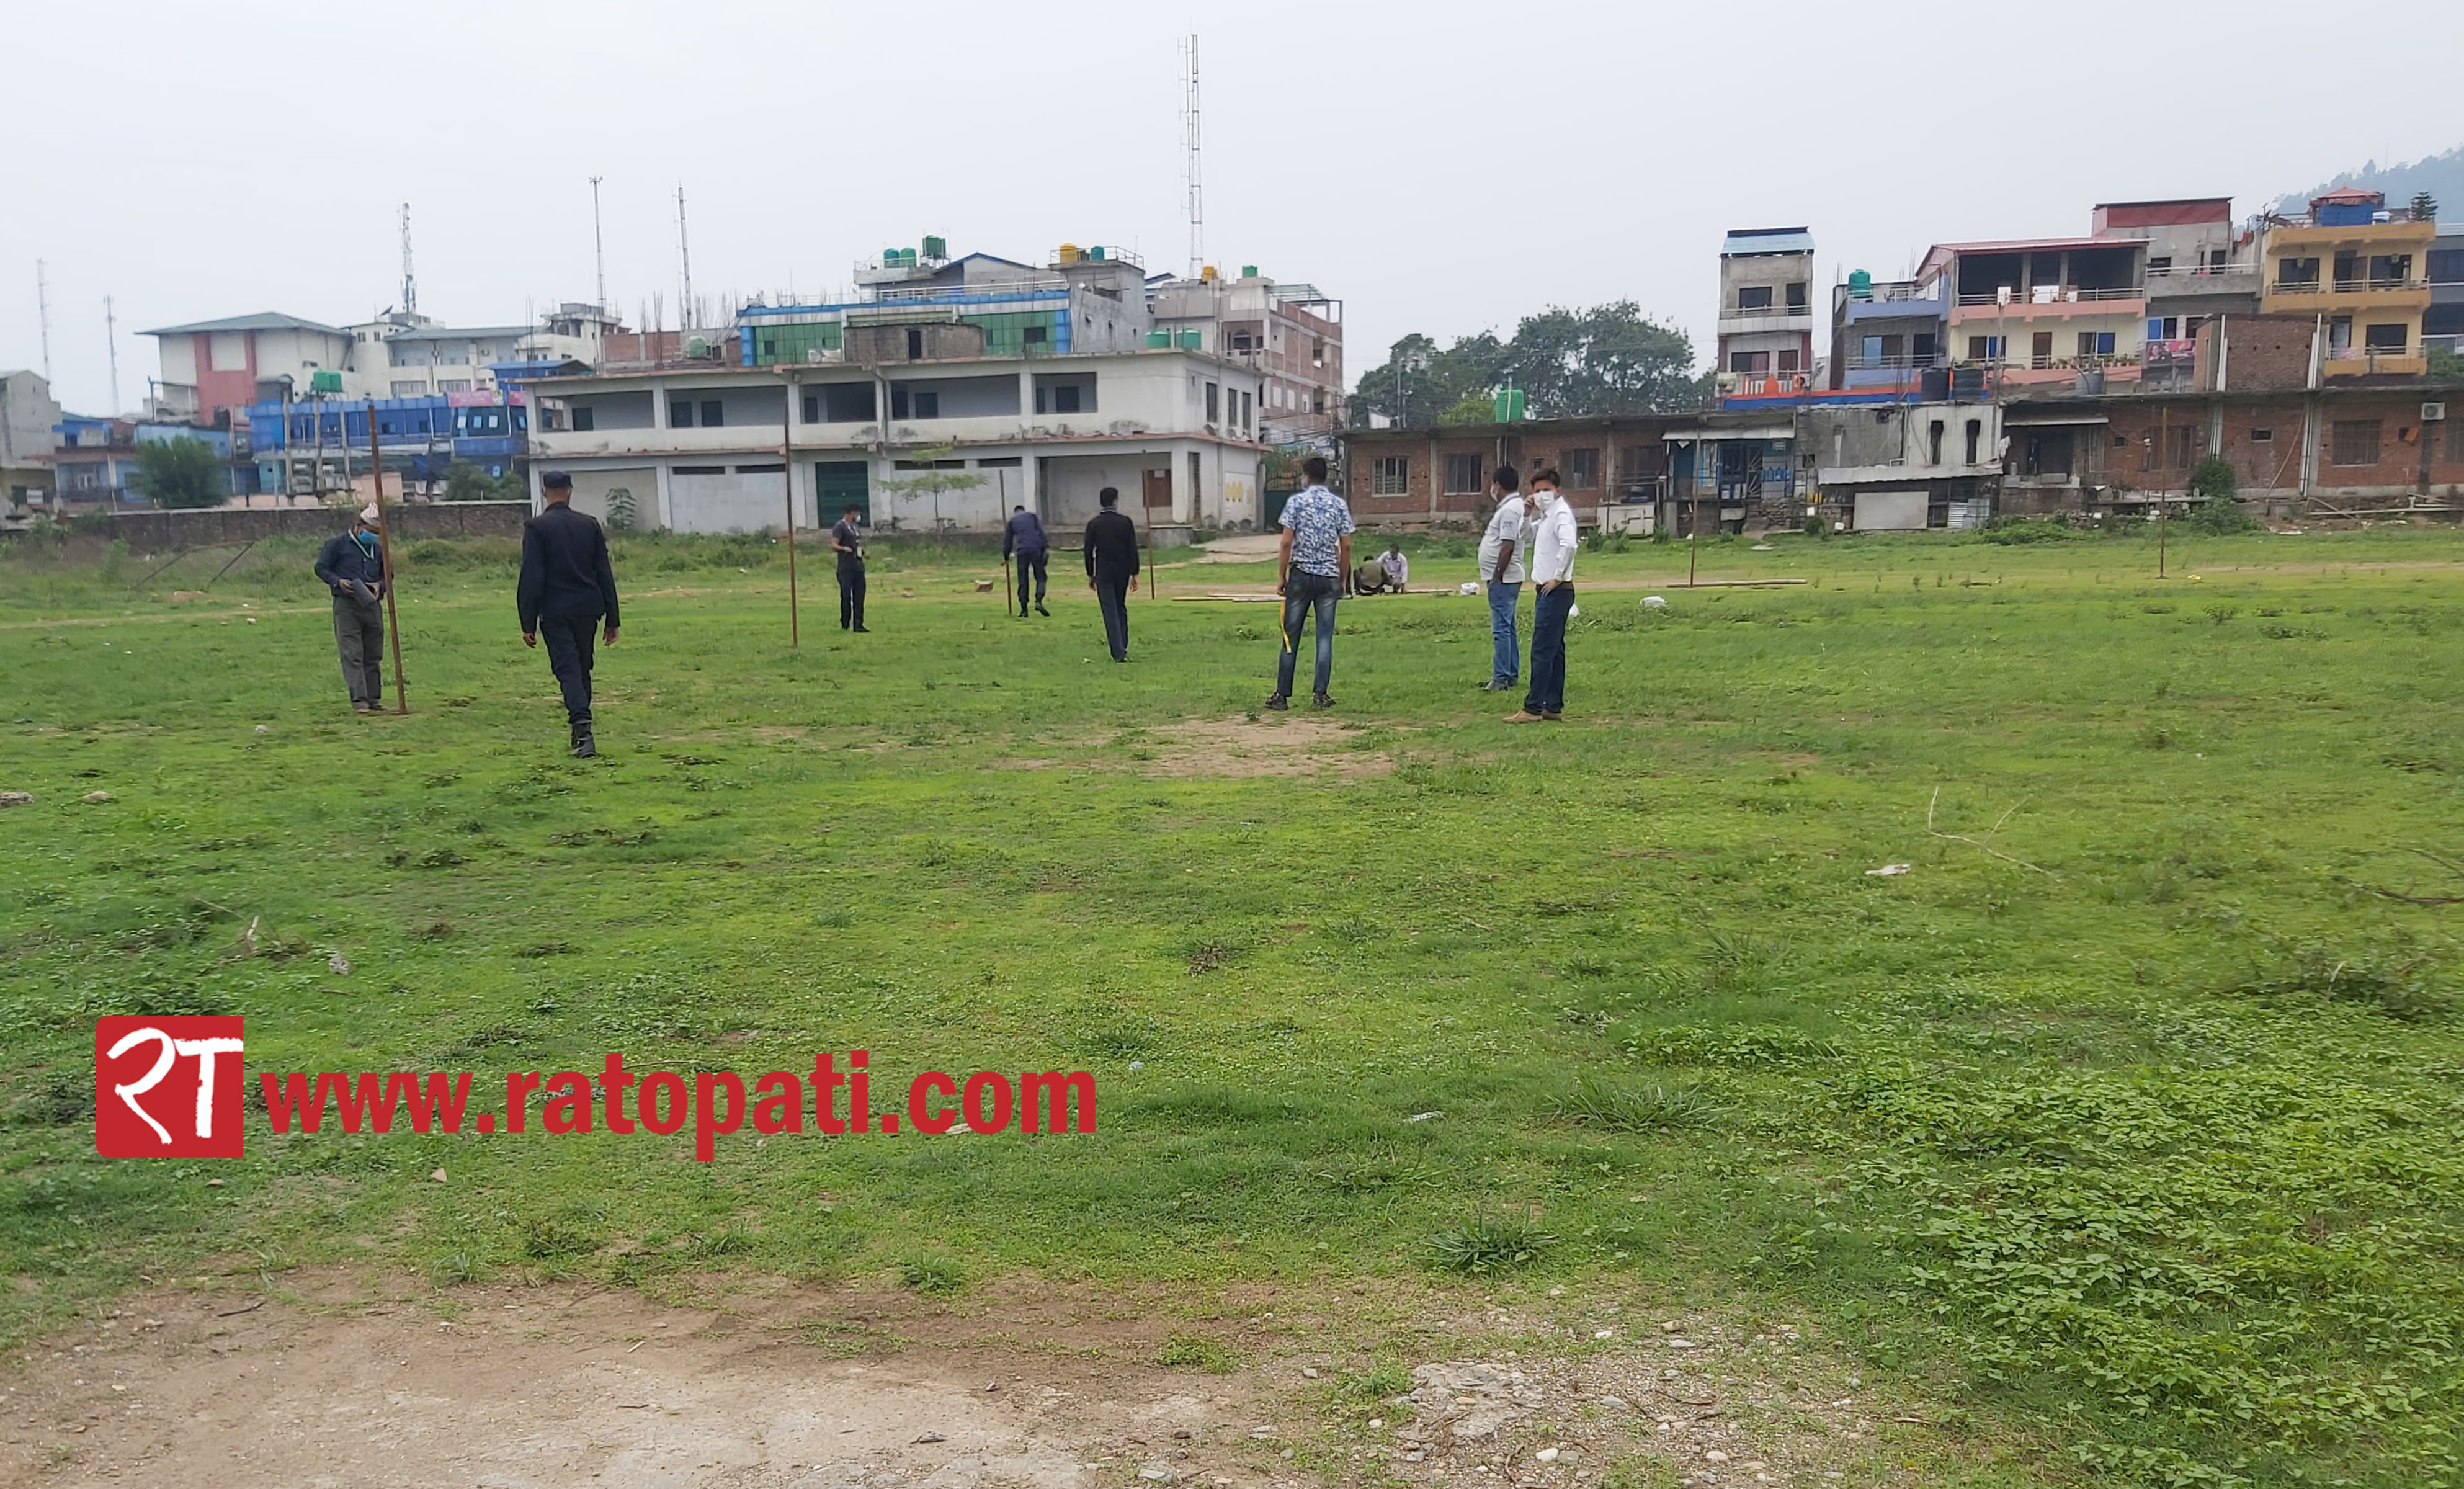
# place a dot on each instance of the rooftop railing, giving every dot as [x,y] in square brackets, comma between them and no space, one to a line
[2055,295]
[2355,285]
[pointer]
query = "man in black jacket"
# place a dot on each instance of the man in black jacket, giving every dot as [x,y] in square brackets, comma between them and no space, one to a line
[352,566]
[567,589]
[1024,537]
[1113,569]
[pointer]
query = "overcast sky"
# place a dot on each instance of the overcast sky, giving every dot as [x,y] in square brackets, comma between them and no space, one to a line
[1439,166]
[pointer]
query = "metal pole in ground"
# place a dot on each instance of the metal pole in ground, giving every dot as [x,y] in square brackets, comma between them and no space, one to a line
[384,552]
[787,464]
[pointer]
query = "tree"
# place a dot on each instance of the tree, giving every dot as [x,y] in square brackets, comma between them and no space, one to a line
[1606,360]
[465,482]
[2425,207]
[1471,408]
[2217,512]
[181,473]
[936,472]
[2445,366]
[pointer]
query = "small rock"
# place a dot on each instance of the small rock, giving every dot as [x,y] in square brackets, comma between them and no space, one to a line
[94,798]
[1155,1476]
[1605,1333]
[16,798]
[1715,1455]
[1547,1454]
[260,728]
[1377,1421]
[339,965]
[932,1438]
[1556,1291]
[1308,1372]
[1653,602]
[1615,1403]
[252,620]
[991,1386]
[1681,1344]
[1181,1433]
[214,1184]
[1137,1064]
[438,1175]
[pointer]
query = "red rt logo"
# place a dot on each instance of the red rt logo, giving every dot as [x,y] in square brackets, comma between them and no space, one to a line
[134,1055]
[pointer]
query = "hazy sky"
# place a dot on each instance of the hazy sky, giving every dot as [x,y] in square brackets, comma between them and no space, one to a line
[1439,166]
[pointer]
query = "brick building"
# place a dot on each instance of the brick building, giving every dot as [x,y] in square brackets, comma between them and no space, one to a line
[1435,477]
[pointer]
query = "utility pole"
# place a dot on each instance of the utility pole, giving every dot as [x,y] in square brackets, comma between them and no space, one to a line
[43,310]
[597,244]
[111,343]
[410,285]
[1189,127]
[684,254]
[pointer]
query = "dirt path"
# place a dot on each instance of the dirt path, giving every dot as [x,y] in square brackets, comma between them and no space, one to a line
[344,1381]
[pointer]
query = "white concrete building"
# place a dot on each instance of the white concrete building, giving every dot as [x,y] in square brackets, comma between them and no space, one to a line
[28,416]
[213,369]
[1290,334]
[728,448]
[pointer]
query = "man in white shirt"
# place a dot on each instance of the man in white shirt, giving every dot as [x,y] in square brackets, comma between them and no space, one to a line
[1501,571]
[1396,568]
[1553,579]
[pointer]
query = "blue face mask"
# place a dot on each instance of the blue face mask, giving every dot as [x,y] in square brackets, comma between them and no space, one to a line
[368,543]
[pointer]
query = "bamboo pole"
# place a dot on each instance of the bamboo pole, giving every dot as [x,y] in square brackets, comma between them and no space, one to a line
[384,554]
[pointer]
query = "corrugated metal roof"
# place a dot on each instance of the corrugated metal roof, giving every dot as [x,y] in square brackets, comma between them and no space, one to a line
[262,321]
[1766,240]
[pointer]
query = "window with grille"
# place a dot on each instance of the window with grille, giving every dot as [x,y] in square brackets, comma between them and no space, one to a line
[1582,470]
[2354,442]
[1462,475]
[2455,452]
[1390,476]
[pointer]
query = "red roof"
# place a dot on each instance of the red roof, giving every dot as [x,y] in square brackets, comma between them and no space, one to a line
[2352,196]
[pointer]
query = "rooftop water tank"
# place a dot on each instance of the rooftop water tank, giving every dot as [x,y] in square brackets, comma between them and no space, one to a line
[937,248]
[1207,276]
[1067,253]
[1192,340]
[1096,253]
[1158,338]
[324,381]
[1248,271]
[1861,284]
[1510,405]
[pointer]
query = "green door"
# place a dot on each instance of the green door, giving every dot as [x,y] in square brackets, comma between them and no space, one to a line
[837,485]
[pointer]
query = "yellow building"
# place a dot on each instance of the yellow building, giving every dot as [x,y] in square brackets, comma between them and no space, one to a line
[2361,267]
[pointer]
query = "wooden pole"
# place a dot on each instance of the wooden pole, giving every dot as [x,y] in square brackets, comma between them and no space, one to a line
[384,554]
[787,464]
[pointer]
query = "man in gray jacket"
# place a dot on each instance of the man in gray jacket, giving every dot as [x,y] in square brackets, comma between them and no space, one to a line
[352,566]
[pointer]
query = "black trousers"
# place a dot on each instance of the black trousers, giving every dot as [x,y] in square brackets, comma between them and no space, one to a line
[571,642]
[850,597]
[1038,560]
[1113,597]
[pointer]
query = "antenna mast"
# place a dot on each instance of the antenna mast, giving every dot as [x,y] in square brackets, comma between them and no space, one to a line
[684,252]
[410,285]
[43,310]
[1189,126]
[111,340]
[597,244]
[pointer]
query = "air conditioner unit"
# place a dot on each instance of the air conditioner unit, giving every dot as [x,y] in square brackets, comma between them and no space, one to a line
[2433,412]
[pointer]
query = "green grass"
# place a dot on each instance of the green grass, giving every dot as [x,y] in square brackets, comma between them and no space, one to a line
[2129,1120]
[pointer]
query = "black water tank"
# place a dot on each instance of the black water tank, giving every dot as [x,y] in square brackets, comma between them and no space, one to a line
[1967,384]
[1934,385]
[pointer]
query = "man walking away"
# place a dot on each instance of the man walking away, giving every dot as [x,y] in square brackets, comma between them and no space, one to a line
[847,541]
[1111,569]
[568,591]
[1553,582]
[1024,539]
[1501,570]
[352,565]
[1316,555]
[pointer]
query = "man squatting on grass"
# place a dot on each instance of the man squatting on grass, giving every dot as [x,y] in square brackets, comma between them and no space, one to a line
[1024,537]
[1552,580]
[352,565]
[1316,555]
[1113,569]
[1501,569]
[567,589]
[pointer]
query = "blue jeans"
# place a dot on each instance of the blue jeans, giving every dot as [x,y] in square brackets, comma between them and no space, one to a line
[1548,695]
[1304,593]
[1508,662]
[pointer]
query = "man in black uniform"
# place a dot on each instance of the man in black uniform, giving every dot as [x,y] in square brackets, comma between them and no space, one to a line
[1113,569]
[1024,537]
[568,590]
[352,565]
[846,540]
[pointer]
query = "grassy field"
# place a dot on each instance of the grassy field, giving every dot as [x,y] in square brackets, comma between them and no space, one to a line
[2128,1122]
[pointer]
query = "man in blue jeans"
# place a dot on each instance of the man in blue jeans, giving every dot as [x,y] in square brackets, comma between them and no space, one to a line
[1501,569]
[1551,527]
[1316,555]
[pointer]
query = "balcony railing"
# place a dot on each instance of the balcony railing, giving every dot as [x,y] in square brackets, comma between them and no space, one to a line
[2355,285]
[1734,311]
[2371,356]
[1862,363]
[2055,295]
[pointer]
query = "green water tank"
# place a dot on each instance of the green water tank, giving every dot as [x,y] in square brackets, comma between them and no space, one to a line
[324,381]
[1192,341]
[1861,284]
[1510,405]
[1096,253]
[937,248]
[1158,338]
[1248,271]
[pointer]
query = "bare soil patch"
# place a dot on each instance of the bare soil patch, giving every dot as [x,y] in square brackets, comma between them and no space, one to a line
[1242,747]
[345,1378]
